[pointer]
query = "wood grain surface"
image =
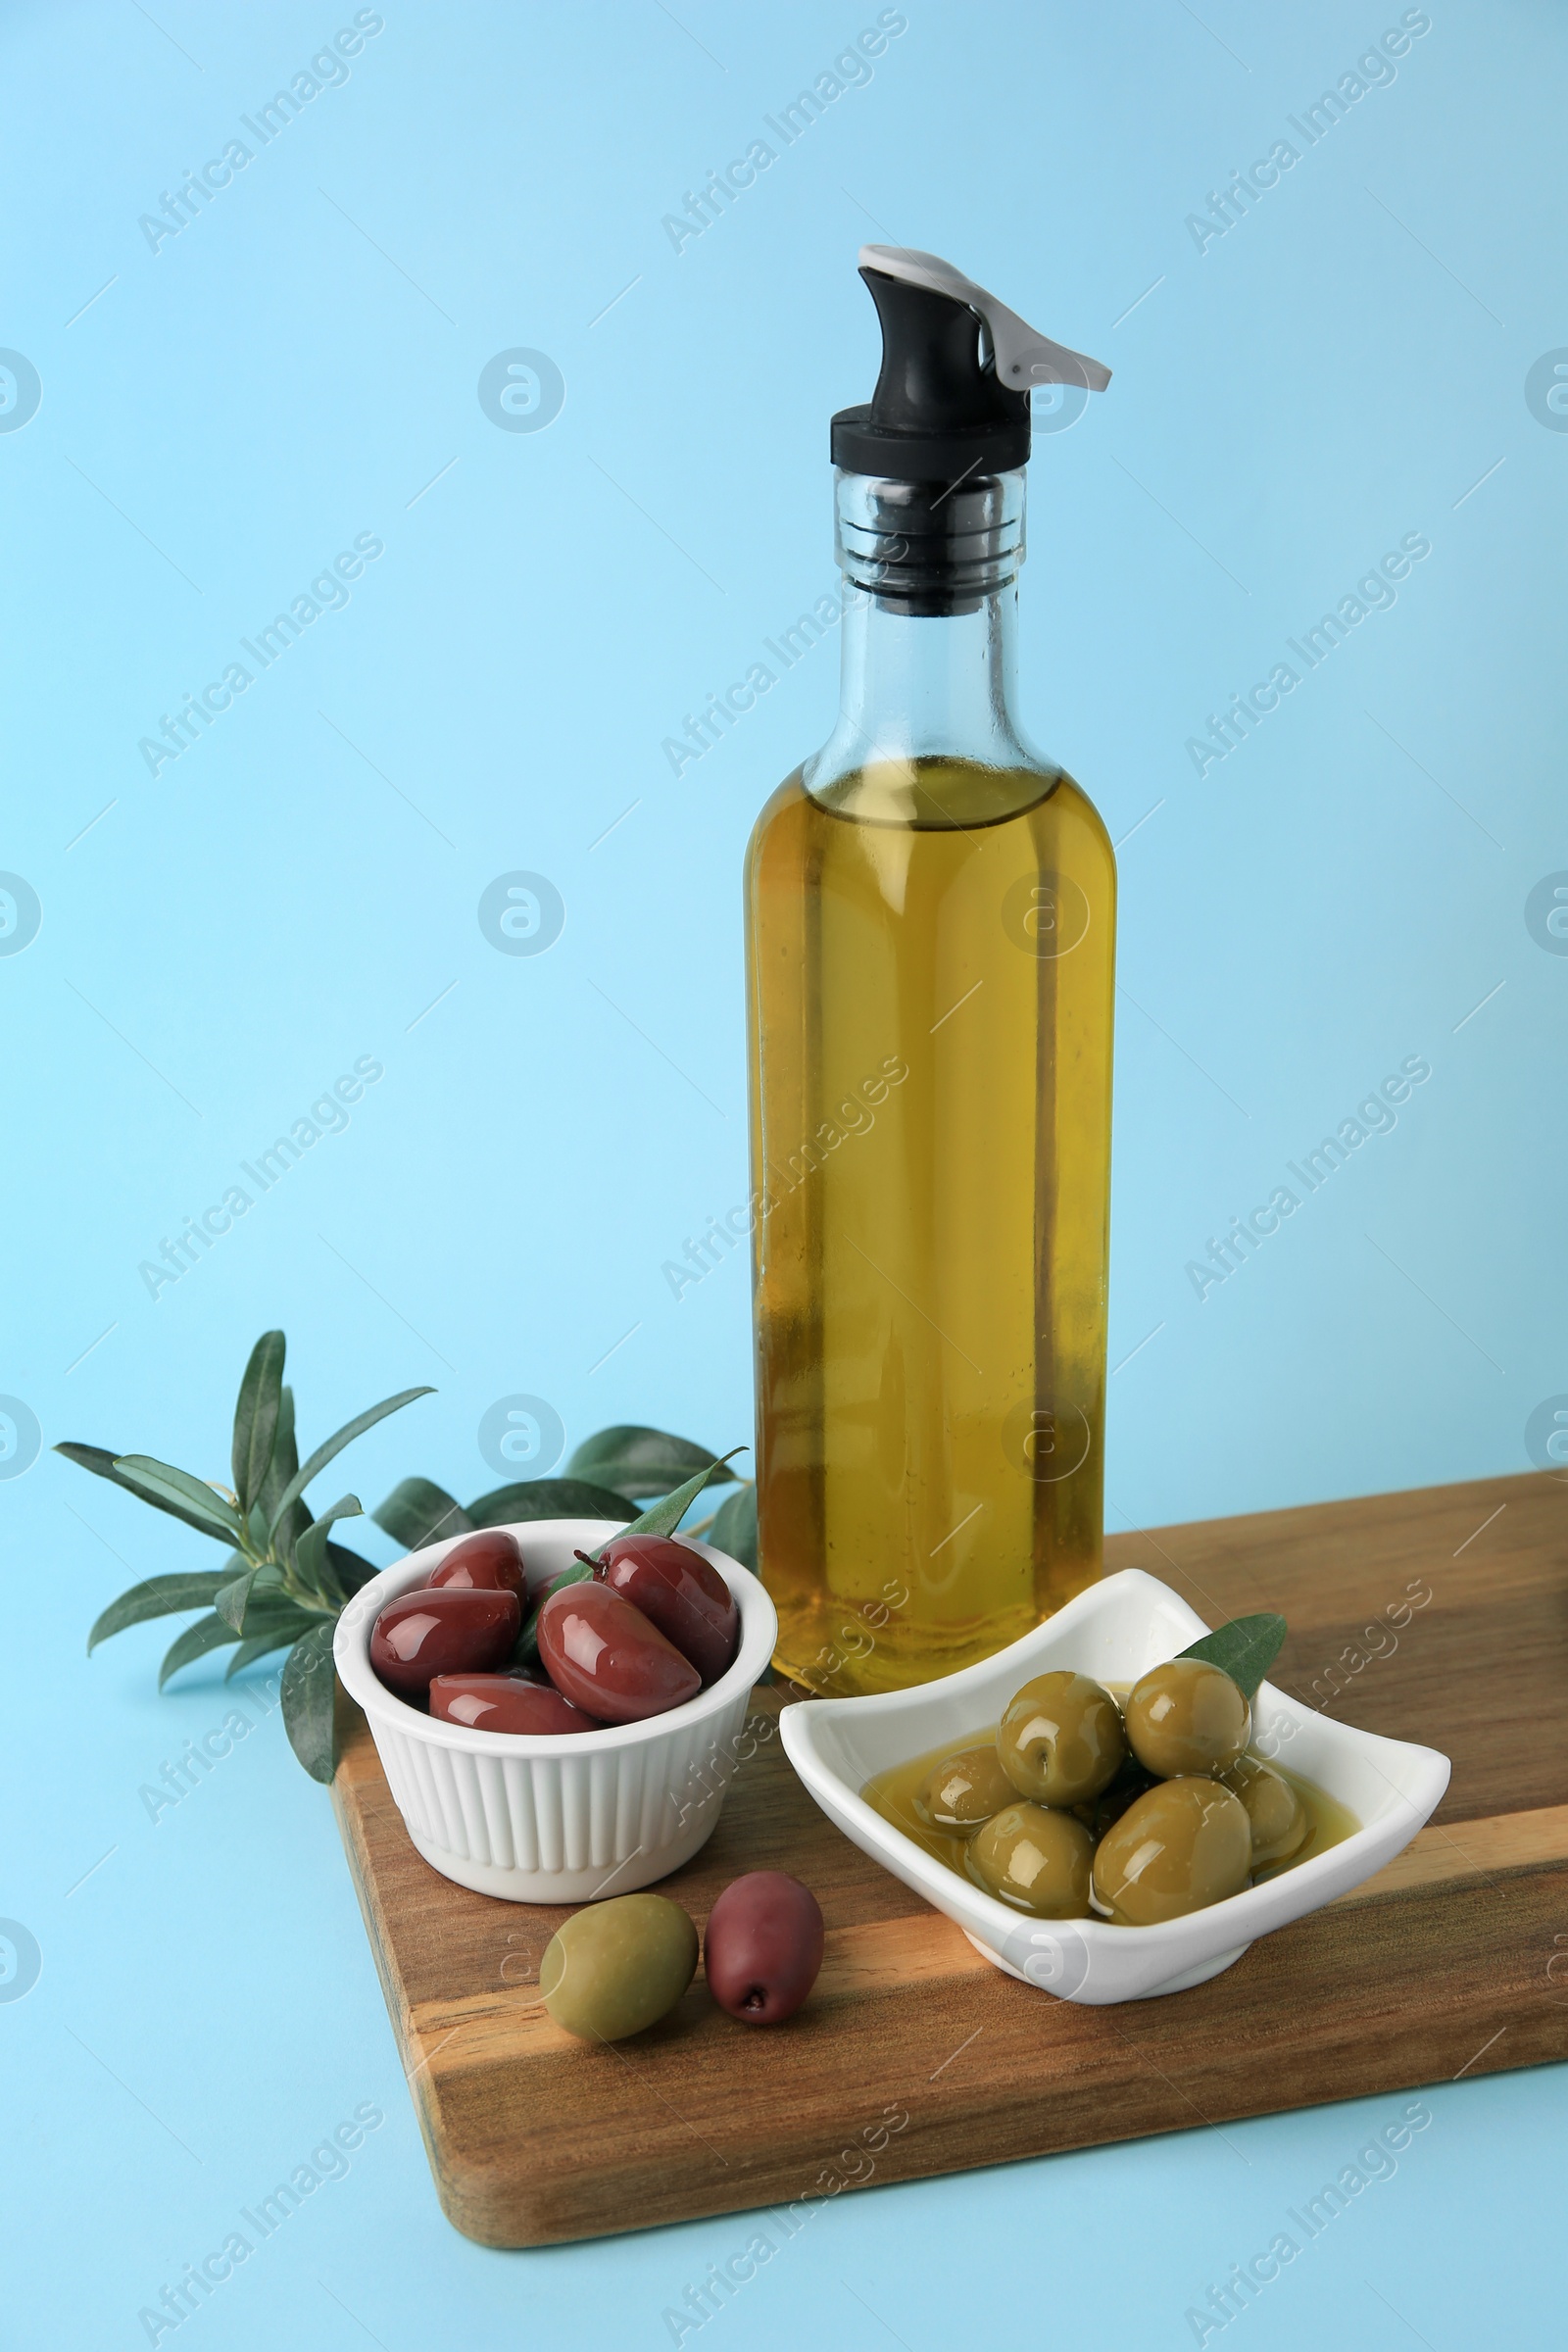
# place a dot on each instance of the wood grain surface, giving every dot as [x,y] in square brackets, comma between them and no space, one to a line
[1439,1616]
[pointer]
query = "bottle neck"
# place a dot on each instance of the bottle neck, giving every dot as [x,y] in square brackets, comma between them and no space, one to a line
[915,686]
[929,632]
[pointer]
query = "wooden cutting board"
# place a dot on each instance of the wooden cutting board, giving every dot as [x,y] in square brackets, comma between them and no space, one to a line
[915,2057]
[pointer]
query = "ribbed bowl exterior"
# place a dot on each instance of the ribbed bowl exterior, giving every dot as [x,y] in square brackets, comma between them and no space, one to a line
[562,1819]
[582,1812]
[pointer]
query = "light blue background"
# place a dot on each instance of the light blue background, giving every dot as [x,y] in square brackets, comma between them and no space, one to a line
[300,889]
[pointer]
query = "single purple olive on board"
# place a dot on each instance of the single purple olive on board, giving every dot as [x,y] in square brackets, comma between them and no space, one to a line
[607,1658]
[680,1593]
[444,1629]
[763,1946]
[488,1562]
[506,1703]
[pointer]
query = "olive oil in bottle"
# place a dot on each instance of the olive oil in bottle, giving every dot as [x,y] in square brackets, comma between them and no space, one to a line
[930,909]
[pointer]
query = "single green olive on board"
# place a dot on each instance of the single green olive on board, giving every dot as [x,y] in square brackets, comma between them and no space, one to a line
[1062,1739]
[1181,1846]
[614,1968]
[1187,1716]
[1036,1860]
[1274,1809]
[965,1789]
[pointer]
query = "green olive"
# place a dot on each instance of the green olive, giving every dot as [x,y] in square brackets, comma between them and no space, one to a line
[965,1789]
[1187,1716]
[1177,1848]
[616,1967]
[1035,1859]
[1275,1810]
[1062,1739]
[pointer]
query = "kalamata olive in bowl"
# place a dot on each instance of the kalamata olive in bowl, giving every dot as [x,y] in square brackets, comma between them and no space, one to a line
[610,1659]
[677,1590]
[1036,1859]
[1273,1807]
[488,1562]
[506,1703]
[1182,1846]
[1061,1739]
[442,1630]
[965,1789]
[763,1946]
[617,1967]
[1187,1716]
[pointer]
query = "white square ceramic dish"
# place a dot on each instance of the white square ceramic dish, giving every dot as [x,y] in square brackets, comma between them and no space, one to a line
[1115,1632]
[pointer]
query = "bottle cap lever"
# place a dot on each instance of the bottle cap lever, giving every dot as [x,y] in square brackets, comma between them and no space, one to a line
[1024,358]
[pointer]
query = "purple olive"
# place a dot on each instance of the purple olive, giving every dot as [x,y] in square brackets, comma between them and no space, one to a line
[763,1946]
[680,1593]
[488,1562]
[445,1629]
[504,1703]
[607,1658]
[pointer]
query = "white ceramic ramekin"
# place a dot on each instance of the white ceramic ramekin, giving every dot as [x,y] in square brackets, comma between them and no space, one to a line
[1115,1632]
[563,1819]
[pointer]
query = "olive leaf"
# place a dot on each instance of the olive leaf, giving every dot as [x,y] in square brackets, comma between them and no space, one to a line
[733,1527]
[235,1598]
[208,1633]
[336,1442]
[661,1518]
[548,1498]
[310,1548]
[279,1470]
[419,1512]
[279,1631]
[261,1400]
[1245,1649]
[201,1504]
[286,1579]
[308,1694]
[639,1461]
[104,1464]
[159,1596]
[348,1571]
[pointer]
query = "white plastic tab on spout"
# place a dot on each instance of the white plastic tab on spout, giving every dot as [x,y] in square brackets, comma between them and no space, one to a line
[1024,358]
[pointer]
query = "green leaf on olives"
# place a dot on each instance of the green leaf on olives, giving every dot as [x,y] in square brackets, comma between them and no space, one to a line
[661,1518]
[1245,1649]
